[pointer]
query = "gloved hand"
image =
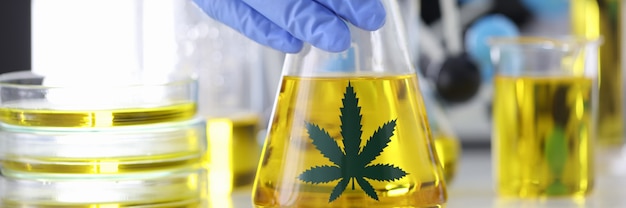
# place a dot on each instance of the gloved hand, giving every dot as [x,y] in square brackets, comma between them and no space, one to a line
[285,24]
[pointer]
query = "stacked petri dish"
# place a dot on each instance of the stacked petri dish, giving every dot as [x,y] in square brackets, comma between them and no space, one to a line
[87,146]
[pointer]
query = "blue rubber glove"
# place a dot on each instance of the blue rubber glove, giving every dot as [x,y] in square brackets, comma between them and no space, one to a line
[285,24]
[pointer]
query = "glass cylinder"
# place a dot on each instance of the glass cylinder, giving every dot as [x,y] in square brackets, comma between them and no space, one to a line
[544,108]
[603,18]
[350,129]
[144,42]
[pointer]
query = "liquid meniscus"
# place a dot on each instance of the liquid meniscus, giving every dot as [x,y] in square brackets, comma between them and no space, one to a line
[542,133]
[119,165]
[289,151]
[43,117]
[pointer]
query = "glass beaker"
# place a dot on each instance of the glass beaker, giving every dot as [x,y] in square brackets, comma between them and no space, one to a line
[350,129]
[544,108]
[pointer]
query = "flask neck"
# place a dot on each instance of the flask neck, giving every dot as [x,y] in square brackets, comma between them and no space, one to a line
[371,53]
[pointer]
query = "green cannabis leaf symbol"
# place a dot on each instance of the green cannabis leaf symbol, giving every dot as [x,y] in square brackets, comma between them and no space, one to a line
[355,163]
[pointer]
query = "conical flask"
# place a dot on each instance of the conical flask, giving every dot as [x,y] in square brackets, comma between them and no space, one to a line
[350,129]
[447,143]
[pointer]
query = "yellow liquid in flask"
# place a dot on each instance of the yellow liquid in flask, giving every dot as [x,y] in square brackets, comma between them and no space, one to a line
[289,150]
[542,134]
[42,117]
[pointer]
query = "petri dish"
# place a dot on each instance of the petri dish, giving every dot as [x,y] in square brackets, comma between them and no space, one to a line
[104,151]
[26,99]
[172,189]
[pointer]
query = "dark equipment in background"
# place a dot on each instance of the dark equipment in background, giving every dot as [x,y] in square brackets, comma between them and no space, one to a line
[458,78]
[456,81]
[14,35]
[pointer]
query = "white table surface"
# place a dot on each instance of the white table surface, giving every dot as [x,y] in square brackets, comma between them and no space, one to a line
[473,186]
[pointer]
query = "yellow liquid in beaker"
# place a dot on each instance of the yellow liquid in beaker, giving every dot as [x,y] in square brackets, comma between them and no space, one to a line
[116,165]
[289,151]
[542,134]
[448,150]
[233,148]
[42,117]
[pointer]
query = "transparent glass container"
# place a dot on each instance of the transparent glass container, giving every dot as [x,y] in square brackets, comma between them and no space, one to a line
[350,129]
[447,143]
[184,188]
[544,115]
[102,152]
[27,100]
[603,18]
[144,42]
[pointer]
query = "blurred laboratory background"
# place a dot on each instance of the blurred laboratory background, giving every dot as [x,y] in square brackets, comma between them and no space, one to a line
[462,81]
[238,78]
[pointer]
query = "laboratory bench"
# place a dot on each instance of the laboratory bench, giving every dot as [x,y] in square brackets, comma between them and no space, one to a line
[473,185]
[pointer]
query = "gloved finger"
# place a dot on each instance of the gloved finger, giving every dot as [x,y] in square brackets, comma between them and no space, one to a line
[241,17]
[366,14]
[308,21]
